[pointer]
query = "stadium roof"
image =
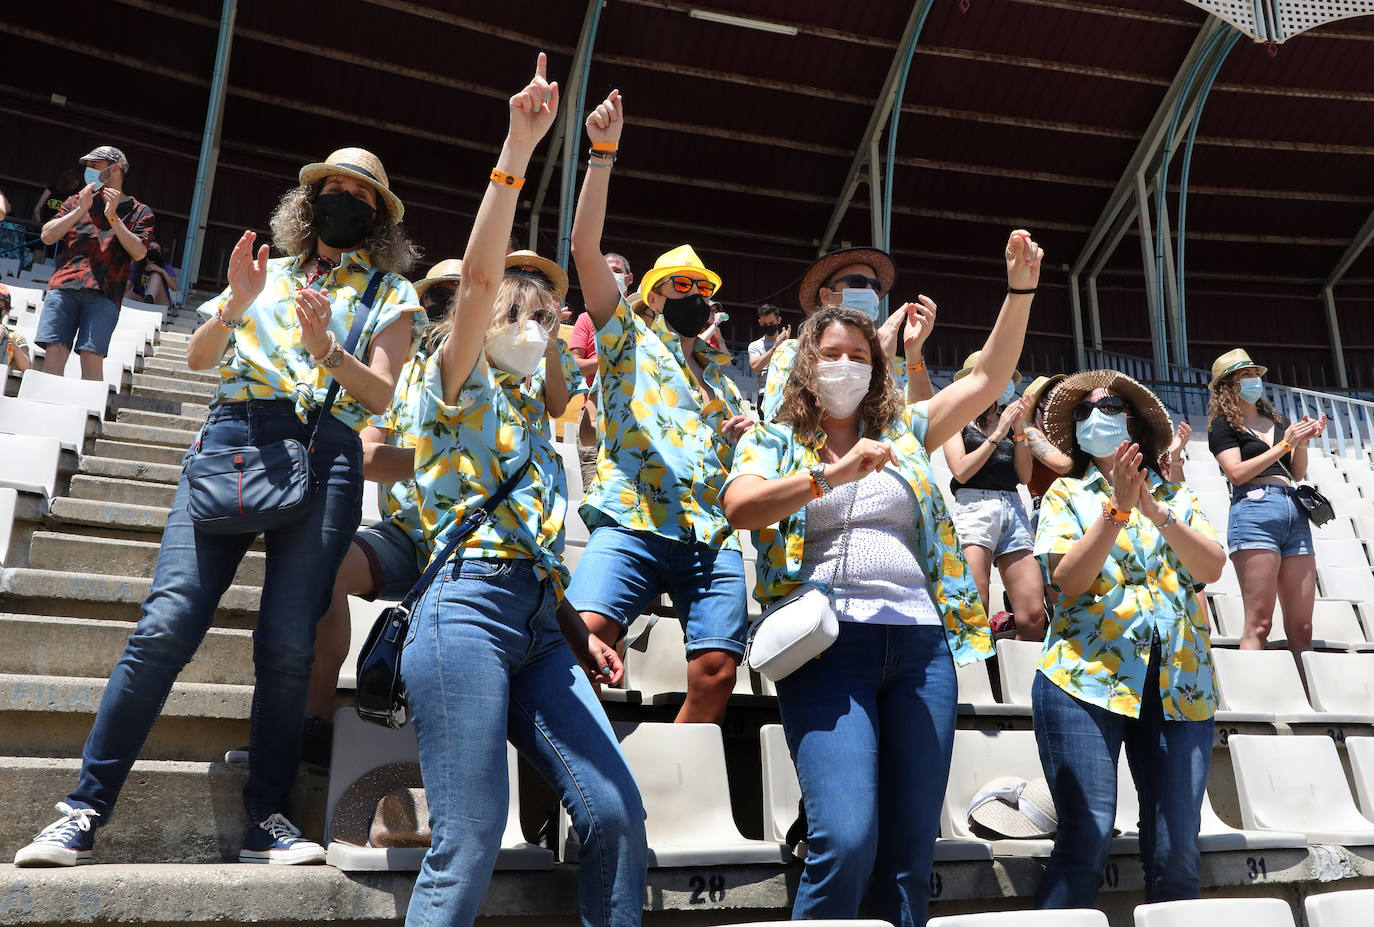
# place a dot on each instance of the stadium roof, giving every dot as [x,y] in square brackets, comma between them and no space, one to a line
[1015,113]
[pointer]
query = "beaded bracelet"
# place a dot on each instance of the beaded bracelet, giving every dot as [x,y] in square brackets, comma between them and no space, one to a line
[228,324]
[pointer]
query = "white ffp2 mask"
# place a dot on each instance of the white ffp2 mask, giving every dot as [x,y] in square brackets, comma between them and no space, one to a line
[843,384]
[518,350]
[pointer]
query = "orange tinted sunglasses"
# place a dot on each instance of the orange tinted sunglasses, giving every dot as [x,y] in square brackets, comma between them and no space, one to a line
[684,284]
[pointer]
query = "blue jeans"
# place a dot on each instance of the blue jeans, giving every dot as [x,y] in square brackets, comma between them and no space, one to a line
[870,725]
[1079,745]
[1270,521]
[486,662]
[193,571]
[84,317]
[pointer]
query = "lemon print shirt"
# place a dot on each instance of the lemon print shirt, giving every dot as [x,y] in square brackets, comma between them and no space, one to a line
[399,502]
[780,368]
[661,459]
[464,451]
[267,359]
[771,450]
[1098,645]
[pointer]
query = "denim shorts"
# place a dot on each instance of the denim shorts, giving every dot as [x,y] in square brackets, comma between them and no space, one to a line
[86,317]
[991,518]
[622,572]
[1271,520]
[392,559]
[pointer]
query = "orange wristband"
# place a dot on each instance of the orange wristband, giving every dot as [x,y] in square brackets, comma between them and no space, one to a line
[916,367]
[604,146]
[508,180]
[1113,514]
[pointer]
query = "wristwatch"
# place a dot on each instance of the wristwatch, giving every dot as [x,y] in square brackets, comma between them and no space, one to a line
[1169,519]
[819,486]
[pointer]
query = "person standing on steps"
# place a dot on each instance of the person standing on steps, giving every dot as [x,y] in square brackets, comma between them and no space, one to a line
[282,324]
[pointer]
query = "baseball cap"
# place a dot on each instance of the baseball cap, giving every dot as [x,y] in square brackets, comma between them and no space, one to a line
[107,153]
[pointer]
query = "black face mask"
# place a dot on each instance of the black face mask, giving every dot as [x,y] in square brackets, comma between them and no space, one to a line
[771,328]
[342,220]
[688,315]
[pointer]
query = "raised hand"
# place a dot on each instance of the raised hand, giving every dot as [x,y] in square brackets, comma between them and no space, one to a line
[533,109]
[920,321]
[111,198]
[783,333]
[606,121]
[1149,506]
[865,457]
[1023,261]
[1126,476]
[1012,414]
[735,426]
[247,276]
[1181,436]
[313,312]
[86,197]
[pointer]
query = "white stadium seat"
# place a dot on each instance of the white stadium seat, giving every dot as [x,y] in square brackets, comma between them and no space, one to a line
[1216,912]
[1339,909]
[1062,918]
[44,419]
[1360,752]
[9,498]
[1017,663]
[1296,783]
[1264,684]
[1355,584]
[1340,682]
[1340,552]
[91,395]
[30,463]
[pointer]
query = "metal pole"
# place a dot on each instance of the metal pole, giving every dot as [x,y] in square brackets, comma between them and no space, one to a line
[1080,352]
[209,151]
[1333,329]
[1147,255]
[569,185]
[875,195]
[1094,313]
[1166,258]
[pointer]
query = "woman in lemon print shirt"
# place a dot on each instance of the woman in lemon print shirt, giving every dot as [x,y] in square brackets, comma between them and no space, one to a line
[1127,659]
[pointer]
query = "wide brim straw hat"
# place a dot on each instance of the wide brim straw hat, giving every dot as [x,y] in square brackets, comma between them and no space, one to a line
[446,271]
[360,164]
[1230,362]
[681,260]
[1014,807]
[972,361]
[1059,424]
[558,278]
[808,293]
[1042,386]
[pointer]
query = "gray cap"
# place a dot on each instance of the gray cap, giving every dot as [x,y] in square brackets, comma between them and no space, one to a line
[107,153]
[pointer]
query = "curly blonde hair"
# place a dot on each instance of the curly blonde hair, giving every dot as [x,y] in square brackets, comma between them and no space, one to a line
[293,230]
[801,401]
[1225,404]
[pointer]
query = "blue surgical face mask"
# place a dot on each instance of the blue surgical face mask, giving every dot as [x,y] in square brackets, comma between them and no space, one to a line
[1251,388]
[93,176]
[1008,395]
[1101,434]
[862,299]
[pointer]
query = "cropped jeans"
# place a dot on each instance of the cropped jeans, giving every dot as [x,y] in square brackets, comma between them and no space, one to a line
[193,571]
[486,663]
[870,725]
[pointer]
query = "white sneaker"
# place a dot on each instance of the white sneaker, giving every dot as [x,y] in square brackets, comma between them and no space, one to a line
[277,841]
[65,842]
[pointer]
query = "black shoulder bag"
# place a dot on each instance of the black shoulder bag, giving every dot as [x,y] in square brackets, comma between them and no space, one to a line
[250,489]
[381,693]
[1314,505]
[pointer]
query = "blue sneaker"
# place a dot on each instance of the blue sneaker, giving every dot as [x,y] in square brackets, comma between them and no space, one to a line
[279,842]
[65,842]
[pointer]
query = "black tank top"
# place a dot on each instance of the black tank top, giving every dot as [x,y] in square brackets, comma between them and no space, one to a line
[998,473]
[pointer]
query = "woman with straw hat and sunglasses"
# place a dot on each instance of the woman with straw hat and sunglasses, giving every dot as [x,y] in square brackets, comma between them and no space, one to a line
[1263,456]
[1127,660]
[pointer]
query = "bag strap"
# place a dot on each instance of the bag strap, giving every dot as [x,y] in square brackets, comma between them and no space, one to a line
[469,524]
[354,334]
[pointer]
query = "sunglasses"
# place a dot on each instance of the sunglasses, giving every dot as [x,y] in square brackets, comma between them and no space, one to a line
[544,318]
[684,284]
[1112,405]
[857,282]
[440,293]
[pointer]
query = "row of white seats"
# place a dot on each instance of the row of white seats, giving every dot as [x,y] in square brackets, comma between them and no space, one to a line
[1337,624]
[1331,909]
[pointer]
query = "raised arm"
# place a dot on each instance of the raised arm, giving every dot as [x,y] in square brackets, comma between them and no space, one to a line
[920,321]
[599,289]
[532,112]
[957,404]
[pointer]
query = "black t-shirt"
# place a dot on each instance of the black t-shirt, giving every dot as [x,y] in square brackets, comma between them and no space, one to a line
[1222,435]
[998,472]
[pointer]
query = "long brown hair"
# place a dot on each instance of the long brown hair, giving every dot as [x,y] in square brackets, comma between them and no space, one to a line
[293,230]
[1225,404]
[801,400]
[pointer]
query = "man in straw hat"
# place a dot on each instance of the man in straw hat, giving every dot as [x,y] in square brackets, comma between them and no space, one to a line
[669,419]
[858,278]
[1124,664]
[105,232]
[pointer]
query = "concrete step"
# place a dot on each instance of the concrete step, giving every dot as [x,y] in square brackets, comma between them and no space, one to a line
[135,492]
[122,517]
[53,550]
[168,404]
[49,645]
[147,383]
[52,716]
[28,591]
[175,368]
[190,812]
[159,419]
[148,434]
[117,468]
[169,399]
[148,453]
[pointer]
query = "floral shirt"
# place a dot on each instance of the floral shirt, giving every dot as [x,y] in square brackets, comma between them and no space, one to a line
[661,460]
[466,450]
[93,257]
[12,341]
[268,361]
[572,375]
[770,450]
[780,368]
[399,502]
[1098,645]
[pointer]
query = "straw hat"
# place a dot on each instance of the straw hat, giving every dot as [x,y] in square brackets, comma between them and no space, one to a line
[1059,424]
[972,361]
[808,293]
[1013,807]
[681,260]
[1042,386]
[1230,362]
[528,260]
[446,271]
[360,164]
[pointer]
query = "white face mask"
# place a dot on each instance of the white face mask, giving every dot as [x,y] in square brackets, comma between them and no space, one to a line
[518,350]
[622,281]
[843,385]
